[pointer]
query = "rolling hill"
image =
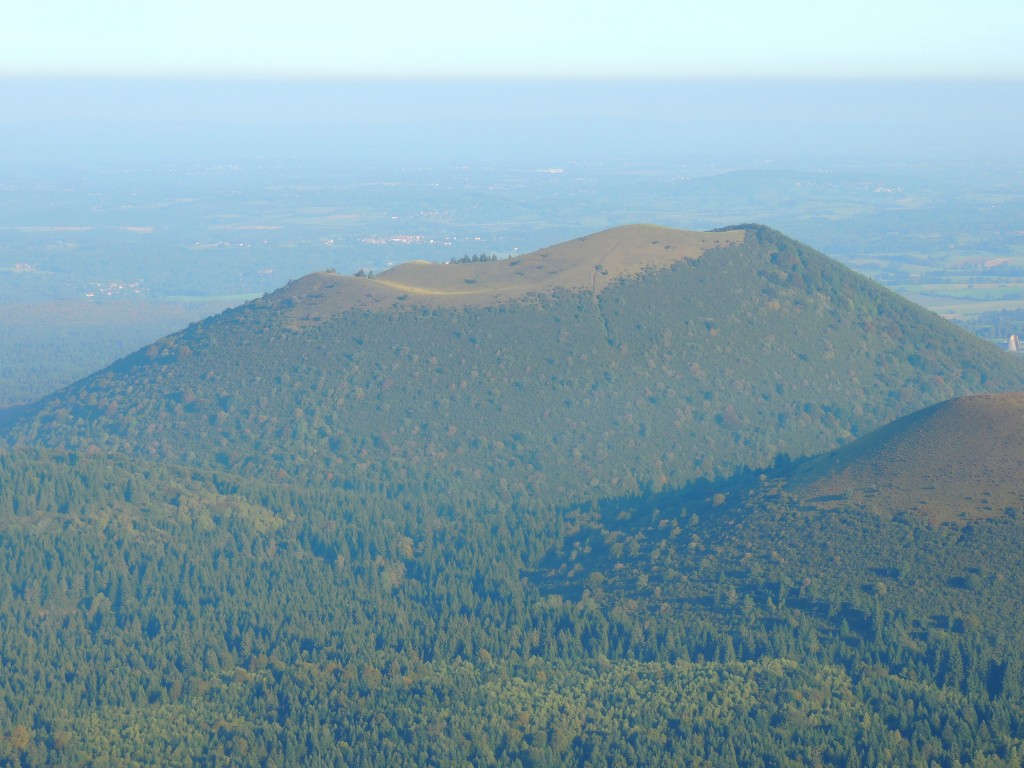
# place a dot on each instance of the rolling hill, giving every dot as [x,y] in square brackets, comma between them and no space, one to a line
[958,460]
[628,359]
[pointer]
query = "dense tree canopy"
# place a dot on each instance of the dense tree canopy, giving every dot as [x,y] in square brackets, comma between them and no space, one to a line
[499,536]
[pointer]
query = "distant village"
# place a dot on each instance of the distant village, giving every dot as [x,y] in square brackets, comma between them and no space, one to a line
[114,289]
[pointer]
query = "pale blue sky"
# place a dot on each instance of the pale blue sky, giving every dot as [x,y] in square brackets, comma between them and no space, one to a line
[526,38]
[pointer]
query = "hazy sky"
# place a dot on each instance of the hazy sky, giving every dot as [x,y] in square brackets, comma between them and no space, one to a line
[526,38]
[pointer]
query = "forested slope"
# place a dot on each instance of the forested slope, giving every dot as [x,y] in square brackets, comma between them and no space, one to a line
[688,369]
[310,533]
[895,559]
[155,614]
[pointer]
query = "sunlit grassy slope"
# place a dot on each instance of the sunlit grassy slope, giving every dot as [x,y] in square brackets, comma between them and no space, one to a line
[957,460]
[586,264]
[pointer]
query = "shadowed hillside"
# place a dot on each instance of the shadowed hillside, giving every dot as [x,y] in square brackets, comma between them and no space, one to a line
[914,512]
[895,558]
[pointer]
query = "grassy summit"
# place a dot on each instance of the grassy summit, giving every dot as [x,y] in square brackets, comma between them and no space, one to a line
[589,263]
